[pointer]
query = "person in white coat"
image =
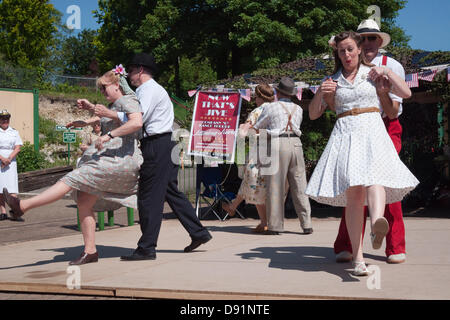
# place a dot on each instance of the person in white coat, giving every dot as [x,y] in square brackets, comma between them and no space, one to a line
[10,144]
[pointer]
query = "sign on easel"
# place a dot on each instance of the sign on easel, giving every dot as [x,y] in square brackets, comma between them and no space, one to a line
[214,125]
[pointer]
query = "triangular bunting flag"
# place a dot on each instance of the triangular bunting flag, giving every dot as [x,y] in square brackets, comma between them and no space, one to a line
[314,89]
[299,93]
[245,94]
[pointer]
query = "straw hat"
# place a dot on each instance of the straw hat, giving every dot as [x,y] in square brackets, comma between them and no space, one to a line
[369,26]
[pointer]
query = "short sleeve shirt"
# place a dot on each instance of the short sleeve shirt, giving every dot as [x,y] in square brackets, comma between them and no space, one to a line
[274,117]
[9,139]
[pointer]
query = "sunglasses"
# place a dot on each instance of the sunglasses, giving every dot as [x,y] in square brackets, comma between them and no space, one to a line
[370,38]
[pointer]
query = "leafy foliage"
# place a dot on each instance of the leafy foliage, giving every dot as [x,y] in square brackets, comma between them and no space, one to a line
[29,159]
[78,54]
[27,31]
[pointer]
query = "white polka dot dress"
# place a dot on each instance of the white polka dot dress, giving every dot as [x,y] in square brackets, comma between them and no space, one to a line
[359,151]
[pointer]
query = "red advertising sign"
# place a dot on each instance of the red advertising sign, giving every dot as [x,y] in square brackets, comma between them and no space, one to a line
[214,125]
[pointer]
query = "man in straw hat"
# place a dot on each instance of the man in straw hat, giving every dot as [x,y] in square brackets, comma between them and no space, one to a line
[373,40]
[158,176]
[282,119]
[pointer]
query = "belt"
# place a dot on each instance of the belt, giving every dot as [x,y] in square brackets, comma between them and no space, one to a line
[287,135]
[155,136]
[356,111]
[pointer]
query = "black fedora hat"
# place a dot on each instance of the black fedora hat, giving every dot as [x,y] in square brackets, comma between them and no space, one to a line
[287,86]
[145,60]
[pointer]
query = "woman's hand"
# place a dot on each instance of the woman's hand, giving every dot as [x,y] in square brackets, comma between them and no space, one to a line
[103,112]
[101,140]
[328,89]
[5,162]
[377,72]
[383,85]
[85,104]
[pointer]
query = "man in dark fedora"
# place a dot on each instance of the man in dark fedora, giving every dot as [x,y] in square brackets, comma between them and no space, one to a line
[282,120]
[158,176]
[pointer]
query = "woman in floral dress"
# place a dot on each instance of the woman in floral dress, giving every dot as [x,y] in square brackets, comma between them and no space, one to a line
[107,174]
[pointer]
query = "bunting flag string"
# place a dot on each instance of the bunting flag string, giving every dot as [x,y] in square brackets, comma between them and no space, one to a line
[412,80]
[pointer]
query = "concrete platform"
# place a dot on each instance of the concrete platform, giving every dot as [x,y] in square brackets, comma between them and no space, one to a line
[235,264]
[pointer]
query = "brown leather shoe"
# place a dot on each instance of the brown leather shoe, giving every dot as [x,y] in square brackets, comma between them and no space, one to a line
[13,203]
[85,258]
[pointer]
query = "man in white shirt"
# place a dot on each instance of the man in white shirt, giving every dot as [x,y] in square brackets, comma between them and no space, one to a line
[391,105]
[158,176]
[282,120]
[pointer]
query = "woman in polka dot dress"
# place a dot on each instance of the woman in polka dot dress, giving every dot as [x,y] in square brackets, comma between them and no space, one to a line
[359,165]
[107,175]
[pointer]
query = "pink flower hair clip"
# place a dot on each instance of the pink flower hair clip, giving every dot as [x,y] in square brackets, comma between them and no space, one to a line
[332,43]
[120,70]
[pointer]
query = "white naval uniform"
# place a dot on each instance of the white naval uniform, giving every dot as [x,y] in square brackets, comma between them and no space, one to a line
[9,139]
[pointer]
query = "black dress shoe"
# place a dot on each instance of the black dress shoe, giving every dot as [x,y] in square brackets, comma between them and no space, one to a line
[3,216]
[85,258]
[197,243]
[307,231]
[138,256]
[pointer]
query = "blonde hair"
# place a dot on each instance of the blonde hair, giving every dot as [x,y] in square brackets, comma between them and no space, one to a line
[108,78]
[265,92]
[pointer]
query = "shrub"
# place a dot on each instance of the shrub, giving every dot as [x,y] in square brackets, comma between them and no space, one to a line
[29,159]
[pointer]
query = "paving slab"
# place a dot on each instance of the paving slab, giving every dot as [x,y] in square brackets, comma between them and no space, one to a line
[235,264]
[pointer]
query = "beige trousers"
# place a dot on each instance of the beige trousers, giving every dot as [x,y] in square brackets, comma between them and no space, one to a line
[291,169]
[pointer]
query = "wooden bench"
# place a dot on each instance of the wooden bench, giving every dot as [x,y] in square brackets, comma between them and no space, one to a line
[101,219]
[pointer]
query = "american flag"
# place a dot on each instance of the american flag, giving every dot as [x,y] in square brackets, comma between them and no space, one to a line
[448,74]
[299,93]
[412,80]
[427,75]
[314,88]
[245,94]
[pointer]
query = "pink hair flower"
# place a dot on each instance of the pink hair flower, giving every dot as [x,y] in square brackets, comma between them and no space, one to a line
[120,70]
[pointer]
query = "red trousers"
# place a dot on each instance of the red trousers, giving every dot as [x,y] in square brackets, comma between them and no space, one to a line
[395,238]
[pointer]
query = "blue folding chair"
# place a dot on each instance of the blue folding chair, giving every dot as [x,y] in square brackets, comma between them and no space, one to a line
[213,193]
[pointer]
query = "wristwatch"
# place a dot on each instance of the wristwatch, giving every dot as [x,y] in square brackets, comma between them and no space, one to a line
[110,135]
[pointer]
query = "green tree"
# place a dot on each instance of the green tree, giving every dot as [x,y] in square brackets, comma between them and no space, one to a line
[236,36]
[27,31]
[79,52]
